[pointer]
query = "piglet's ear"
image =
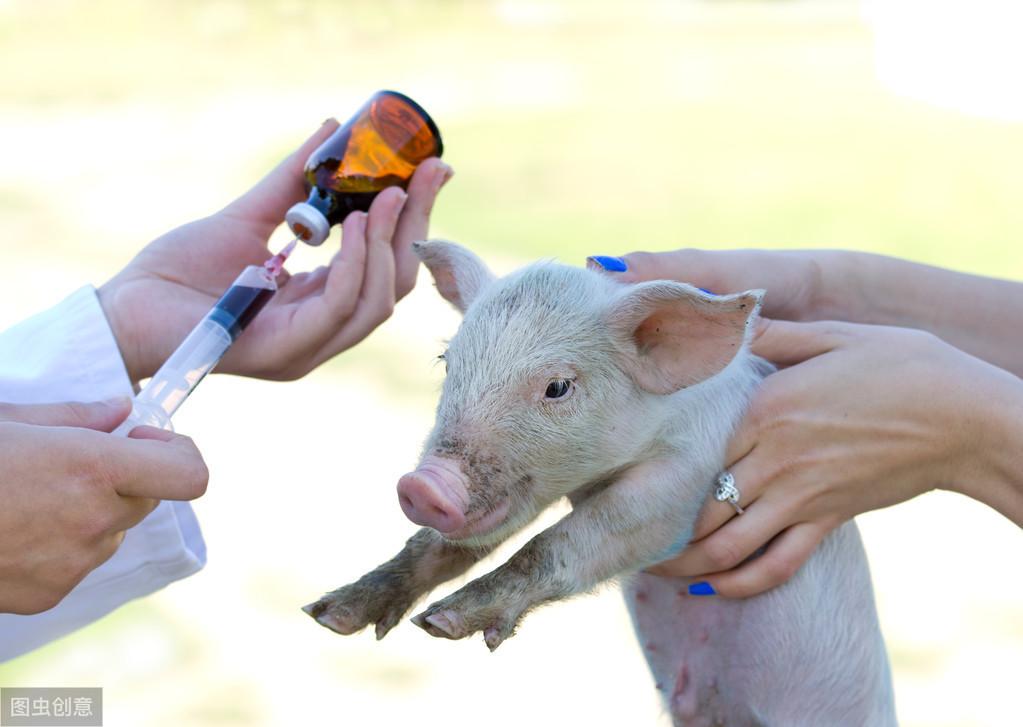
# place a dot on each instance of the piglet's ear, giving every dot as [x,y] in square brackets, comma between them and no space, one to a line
[677,336]
[458,273]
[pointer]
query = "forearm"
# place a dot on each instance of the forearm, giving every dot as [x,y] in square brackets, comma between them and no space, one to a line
[982,316]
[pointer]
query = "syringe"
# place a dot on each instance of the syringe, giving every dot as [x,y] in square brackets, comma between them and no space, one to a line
[207,343]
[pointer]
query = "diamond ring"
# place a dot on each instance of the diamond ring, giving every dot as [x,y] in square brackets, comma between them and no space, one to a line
[727,491]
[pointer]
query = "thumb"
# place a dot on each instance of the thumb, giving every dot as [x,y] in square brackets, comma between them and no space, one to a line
[270,199]
[99,415]
[786,343]
[156,464]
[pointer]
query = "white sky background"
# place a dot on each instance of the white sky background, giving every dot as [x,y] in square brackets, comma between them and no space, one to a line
[963,55]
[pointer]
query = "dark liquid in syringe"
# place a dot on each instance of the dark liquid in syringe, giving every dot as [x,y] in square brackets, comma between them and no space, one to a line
[239,305]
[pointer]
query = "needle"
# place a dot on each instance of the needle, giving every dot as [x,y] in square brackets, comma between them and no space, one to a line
[275,264]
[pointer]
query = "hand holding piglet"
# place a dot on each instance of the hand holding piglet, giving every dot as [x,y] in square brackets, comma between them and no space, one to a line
[866,416]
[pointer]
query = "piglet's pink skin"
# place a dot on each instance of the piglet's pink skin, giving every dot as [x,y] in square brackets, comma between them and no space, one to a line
[435,495]
[564,383]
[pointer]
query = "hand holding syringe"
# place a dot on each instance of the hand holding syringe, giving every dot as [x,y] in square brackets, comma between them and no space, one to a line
[388,143]
[207,343]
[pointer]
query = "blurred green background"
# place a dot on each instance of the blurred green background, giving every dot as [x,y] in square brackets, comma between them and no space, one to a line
[574,128]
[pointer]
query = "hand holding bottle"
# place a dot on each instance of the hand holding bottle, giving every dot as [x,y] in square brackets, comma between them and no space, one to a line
[315,316]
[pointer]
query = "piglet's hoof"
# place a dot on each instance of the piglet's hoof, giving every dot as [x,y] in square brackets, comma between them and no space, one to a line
[338,619]
[448,623]
[353,607]
[442,624]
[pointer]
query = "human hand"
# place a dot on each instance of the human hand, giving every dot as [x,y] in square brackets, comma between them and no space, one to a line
[863,417]
[70,491]
[799,283]
[859,287]
[156,300]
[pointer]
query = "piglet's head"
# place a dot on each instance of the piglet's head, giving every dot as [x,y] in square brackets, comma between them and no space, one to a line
[558,379]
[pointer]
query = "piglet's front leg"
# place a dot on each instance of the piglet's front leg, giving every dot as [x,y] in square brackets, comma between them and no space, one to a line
[385,595]
[495,603]
[633,523]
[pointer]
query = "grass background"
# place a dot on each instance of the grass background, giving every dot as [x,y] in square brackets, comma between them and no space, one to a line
[575,128]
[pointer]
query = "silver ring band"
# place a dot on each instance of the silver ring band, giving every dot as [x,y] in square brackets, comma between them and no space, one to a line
[726,491]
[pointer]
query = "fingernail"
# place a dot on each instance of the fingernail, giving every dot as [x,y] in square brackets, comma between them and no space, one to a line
[604,262]
[355,219]
[443,175]
[702,589]
[399,206]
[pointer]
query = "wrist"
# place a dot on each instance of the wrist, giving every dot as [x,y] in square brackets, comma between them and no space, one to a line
[994,475]
[861,287]
[119,322]
[839,279]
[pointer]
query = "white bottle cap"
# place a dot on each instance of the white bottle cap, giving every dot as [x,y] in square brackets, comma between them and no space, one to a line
[308,223]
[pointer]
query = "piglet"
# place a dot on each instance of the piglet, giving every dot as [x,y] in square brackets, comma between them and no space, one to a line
[562,382]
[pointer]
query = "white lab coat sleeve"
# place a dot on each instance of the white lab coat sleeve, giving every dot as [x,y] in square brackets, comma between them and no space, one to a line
[68,353]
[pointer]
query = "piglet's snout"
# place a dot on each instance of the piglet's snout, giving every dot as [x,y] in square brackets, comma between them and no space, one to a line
[435,495]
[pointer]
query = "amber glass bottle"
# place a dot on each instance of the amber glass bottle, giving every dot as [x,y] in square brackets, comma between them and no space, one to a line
[377,148]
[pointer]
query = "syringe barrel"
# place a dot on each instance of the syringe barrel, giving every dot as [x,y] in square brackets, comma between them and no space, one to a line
[182,372]
[201,350]
[247,295]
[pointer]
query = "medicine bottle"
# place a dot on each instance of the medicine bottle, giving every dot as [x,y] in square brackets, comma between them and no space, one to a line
[379,147]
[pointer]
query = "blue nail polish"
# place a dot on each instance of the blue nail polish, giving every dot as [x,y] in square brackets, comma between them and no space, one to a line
[701,589]
[611,264]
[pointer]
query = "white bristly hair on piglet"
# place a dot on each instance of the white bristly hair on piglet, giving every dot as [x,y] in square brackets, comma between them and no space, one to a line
[563,382]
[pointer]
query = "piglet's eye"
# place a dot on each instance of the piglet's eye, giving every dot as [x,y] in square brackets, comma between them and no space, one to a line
[558,388]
